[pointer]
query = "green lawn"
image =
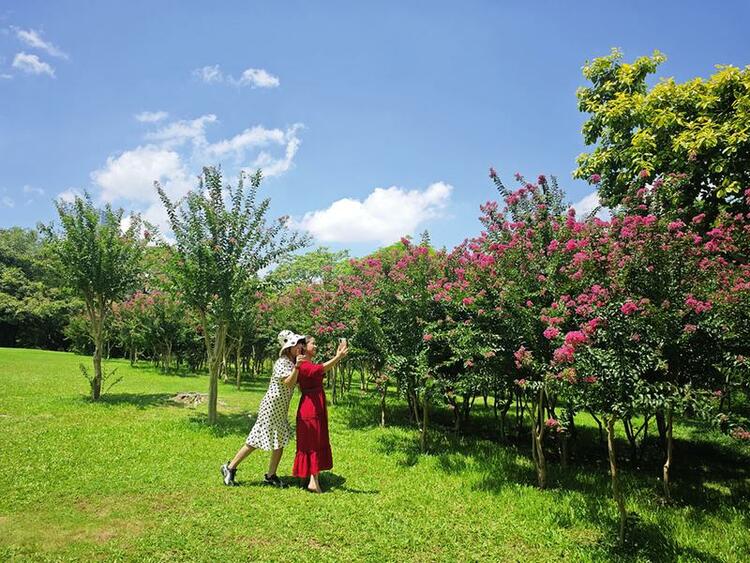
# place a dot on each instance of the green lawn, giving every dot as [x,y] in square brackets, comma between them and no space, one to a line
[136,477]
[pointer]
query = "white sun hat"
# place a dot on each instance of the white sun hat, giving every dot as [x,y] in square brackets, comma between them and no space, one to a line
[288,339]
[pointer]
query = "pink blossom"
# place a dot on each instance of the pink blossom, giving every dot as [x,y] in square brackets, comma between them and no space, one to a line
[563,354]
[644,173]
[522,356]
[590,379]
[551,423]
[575,338]
[551,332]
[595,178]
[697,305]
[628,308]
[467,301]
[469,364]
[688,328]
[427,337]
[699,218]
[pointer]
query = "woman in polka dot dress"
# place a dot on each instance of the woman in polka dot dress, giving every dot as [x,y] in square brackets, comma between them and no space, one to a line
[271,431]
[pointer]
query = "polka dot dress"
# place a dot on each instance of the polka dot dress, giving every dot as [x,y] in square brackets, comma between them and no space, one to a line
[272,430]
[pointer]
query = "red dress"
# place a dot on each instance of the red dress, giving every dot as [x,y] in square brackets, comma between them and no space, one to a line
[313,446]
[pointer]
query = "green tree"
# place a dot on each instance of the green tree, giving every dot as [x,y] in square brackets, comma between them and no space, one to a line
[311,267]
[698,128]
[219,247]
[99,261]
[34,309]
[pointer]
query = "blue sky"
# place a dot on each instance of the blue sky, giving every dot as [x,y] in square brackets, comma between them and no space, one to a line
[373,119]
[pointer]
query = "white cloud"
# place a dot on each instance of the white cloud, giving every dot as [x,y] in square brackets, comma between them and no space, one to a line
[209,74]
[32,65]
[253,77]
[33,39]
[151,116]
[276,167]
[179,132]
[588,203]
[256,78]
[7,201]
[386,215]
[130,176]
[6,76]
[69,195]
[173,156]
[32,190]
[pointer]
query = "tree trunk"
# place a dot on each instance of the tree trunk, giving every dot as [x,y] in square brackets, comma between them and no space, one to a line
[425,423]
[237,363]
[383,393]
[332,380]
[537,432]
[215,354]
[96,316]
[96,383]
[541,461]
[414,407]
[564,450]
[661,425]
[599,424]
[616,491]
[668,462]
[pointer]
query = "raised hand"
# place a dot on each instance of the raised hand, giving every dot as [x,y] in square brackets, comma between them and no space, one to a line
[301,358]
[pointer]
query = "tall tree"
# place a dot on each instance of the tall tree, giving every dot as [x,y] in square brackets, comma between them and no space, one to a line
[698,129]
[222,240]
[97,259]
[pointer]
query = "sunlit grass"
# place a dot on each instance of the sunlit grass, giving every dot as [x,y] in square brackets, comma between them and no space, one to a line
[135,477]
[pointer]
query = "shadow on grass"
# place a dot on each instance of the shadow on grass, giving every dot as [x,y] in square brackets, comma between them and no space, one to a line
[708,476]
[179,371]
[139,400]
[227,424]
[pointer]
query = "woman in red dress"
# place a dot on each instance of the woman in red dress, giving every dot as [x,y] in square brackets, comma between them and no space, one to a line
[313,447]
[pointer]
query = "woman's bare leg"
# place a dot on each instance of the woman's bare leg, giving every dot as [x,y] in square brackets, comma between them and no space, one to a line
[241,454]
[315,483]
[274,463]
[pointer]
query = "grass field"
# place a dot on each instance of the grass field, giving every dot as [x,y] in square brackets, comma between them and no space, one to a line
[136,477]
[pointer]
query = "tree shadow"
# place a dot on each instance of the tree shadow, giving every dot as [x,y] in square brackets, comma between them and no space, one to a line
[139,400]
[179,371]
[253,385]
[227,424]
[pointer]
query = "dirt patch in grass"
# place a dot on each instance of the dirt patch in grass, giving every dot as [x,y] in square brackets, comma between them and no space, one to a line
[192,399]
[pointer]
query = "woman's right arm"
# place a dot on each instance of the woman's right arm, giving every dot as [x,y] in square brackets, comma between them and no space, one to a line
[341,353]
[291,381]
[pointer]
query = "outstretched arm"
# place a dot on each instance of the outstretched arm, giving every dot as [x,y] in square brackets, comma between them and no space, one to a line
[341,353]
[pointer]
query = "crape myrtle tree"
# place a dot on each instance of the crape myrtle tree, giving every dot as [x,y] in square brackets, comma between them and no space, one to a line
[100,261]
[222,240]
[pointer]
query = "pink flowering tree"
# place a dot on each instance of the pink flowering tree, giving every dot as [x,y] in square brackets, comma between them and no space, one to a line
[514,272]
[409,271]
